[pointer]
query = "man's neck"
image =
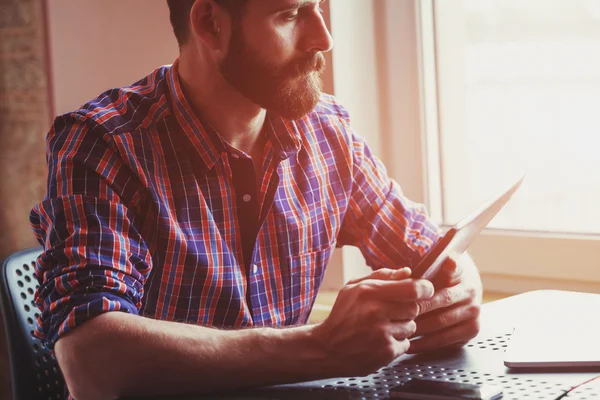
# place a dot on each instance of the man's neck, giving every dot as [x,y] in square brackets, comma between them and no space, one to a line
[237,120]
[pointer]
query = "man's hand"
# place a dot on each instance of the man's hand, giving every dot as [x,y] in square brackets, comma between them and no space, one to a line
[451,317]
[371,321]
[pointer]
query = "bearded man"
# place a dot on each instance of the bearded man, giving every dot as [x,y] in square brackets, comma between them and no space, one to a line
[190,217]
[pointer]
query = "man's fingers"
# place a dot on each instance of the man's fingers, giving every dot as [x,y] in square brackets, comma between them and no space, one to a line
[398,291]
[446,318]
[453,336]
[401,347]
[444,298]
[402,330]
[451,268]
[384,274]
[397,312]
[449,275]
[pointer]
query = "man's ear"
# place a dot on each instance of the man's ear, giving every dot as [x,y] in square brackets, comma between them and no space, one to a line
[207,21]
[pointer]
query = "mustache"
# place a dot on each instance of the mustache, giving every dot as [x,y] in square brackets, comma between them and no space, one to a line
[314,63]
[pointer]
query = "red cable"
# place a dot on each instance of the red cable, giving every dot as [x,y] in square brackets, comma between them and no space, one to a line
[576,387]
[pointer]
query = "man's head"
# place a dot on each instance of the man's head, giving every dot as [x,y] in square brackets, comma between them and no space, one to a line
[269,51]
[180,15]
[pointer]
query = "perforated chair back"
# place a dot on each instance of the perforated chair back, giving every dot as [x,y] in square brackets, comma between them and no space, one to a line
[34,370]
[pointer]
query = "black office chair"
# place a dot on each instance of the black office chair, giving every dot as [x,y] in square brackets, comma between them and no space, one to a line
[34,370]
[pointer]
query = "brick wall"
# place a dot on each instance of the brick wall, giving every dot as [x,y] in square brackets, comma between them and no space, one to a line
[24,120]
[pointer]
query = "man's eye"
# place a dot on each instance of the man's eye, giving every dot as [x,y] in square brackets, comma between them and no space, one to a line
[291,16]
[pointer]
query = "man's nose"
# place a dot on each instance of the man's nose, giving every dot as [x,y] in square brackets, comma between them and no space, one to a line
[317,36]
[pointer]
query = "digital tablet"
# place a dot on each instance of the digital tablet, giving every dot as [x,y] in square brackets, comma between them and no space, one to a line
[459,237]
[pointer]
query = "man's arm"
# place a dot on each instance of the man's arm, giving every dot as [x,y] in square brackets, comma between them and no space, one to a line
[119,354]
[392,231]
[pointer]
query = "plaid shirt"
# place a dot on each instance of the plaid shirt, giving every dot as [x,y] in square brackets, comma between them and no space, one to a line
[147,211]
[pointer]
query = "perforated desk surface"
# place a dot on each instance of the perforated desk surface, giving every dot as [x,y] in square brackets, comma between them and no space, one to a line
[480,361]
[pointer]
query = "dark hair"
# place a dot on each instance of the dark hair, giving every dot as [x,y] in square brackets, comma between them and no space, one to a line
[180,15]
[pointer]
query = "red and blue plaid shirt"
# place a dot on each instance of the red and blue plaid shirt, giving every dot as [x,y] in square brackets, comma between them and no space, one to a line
[149,212]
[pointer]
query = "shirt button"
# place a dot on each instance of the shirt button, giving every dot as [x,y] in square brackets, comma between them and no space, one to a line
[247,198]
[254,269]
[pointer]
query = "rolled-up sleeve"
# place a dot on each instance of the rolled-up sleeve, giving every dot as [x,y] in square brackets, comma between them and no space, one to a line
[391,230]
[95,259]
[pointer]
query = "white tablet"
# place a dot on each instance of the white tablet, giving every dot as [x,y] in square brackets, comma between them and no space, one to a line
[460,236]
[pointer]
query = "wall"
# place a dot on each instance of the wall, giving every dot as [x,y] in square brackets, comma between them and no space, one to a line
[358,70]
[377,78]
[98,45]
[24,117]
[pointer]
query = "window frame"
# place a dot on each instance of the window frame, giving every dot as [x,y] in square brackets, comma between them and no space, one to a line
[509,261]
[397,38]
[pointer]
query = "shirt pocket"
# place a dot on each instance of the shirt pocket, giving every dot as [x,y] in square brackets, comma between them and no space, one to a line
[306,275]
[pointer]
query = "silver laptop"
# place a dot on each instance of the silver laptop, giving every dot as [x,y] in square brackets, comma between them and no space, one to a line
[555,334]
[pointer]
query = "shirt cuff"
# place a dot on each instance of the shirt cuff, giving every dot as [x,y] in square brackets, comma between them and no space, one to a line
[68,313]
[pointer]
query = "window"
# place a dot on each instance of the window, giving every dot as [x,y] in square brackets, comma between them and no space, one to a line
[522,82]
[459,97]
[512,86]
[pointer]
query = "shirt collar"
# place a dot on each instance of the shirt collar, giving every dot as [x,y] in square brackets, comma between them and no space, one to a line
[284,134]
[203,138]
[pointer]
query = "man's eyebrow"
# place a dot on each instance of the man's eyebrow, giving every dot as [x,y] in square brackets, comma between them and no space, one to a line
[296,5]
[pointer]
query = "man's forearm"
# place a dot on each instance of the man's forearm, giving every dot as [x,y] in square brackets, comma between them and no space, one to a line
[120,354]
